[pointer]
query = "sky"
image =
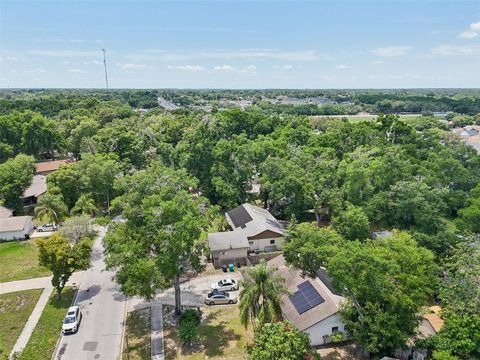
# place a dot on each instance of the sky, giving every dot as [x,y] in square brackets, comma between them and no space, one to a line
[240,44]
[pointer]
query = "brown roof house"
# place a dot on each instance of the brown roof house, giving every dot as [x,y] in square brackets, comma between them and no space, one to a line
[253,229]
[47,167]
[15,228]
[37,188]
[313,306]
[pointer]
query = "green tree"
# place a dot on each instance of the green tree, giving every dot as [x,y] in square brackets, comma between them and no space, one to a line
[469,217]
[63,258]
[15,176]
[261,295]
[85,205]
[51,208]
[280,341]
[386,282]
[308,247]
[352,223]
[161,239]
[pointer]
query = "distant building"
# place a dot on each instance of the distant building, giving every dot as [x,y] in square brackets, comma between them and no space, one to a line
[471,135]
[35,191]
[15,228]
[47,167]
[253,229]
[313,306]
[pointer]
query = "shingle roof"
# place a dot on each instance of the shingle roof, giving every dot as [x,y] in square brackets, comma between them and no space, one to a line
[48,166]
[309,318]
[253,219]
[5,212]
[227,240]
[14,223]
[37,188]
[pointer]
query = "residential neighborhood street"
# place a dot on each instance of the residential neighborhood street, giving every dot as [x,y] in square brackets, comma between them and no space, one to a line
[103,310]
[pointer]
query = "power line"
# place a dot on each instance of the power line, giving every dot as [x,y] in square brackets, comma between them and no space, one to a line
[105,65]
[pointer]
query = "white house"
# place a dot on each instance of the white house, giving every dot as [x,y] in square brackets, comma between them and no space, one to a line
[15,228]
[253,229]
[263,231]
[312,306]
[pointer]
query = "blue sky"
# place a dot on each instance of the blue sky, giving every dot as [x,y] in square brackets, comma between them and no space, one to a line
[240,44]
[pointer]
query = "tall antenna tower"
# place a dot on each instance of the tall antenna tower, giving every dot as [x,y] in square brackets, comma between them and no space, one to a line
[105,65]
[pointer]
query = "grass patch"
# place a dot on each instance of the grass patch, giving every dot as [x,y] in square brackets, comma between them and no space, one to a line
[138,330]
[220,336]
[19,261]
[46,333]
[15,309]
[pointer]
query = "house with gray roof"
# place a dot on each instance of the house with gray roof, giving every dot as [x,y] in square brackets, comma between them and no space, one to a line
[15,228]
[5,212]
[253,230]
[312,305]
[37,188]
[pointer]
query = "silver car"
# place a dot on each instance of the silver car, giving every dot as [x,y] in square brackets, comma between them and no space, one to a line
[225,285]
[220,297]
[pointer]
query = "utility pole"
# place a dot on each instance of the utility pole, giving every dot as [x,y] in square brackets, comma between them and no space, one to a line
[105,65]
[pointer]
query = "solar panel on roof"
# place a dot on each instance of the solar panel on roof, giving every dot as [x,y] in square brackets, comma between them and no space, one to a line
[239,216]
[306,298]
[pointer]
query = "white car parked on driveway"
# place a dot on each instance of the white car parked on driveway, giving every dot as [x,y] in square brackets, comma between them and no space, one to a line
[225,285]
[72,320]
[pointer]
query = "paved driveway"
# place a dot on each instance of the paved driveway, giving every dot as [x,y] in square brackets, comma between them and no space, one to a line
[193,291]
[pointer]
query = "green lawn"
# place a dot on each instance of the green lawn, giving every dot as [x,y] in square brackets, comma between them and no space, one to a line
[46,333]
[19,260]
[15,309]
[221,336]
[138,330]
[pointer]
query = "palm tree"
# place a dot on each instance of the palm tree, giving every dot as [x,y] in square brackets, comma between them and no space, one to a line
[261,295]
[51,208]
[84,205]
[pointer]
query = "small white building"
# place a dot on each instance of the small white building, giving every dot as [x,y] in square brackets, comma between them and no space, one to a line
[313,306]
[15,228]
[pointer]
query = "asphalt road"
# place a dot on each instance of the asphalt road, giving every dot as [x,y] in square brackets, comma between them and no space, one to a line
[103,308]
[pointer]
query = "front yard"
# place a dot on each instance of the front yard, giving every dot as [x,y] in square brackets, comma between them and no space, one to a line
[220,336]
[15,309]
[46,333]
[19,261]
[137,335]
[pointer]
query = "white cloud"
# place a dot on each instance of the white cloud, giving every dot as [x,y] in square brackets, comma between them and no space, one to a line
[36,71]
[378,62]
[93,62]
[475,26]
[250,69]
[474,31]
[64,53]
[468,34]
[78,71]
[134,66]
[58,40]
[449,50]
[248,54]
[192,68]
[343,67]
[224,68]
[392,51]
[284,67]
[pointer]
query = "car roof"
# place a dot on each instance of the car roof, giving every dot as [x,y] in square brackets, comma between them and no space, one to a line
[72,308]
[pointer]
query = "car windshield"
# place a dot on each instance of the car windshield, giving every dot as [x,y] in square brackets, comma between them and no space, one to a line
[69,320]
